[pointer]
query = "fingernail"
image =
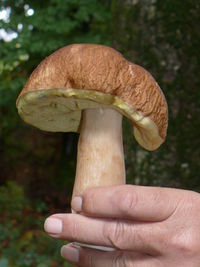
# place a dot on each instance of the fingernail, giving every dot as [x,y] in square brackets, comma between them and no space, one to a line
[77,204]
[70,253]
[53,226]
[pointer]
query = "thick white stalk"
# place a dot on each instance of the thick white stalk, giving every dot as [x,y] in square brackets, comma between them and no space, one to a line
[100,159]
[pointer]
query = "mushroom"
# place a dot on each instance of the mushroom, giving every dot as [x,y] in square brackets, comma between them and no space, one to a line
[87,88]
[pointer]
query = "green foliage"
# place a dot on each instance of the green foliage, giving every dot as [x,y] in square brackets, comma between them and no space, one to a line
[53,24]
[12,200]
[22,240]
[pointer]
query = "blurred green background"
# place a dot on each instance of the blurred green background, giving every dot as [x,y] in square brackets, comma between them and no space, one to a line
[37,168]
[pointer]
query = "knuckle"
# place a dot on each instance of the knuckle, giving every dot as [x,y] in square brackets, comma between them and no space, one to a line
[187,243]
[128,202]
[114,232]
[157,196]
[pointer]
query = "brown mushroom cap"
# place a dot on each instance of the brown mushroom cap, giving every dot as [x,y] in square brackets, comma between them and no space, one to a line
[82,76]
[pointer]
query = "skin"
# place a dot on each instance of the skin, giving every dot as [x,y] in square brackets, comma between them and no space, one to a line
[145,226]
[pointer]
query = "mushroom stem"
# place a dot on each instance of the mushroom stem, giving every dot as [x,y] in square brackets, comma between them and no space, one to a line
[100,160]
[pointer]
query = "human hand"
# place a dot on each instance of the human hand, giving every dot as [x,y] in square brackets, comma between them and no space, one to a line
[147,226]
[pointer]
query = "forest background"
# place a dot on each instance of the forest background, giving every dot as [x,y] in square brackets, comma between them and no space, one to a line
[37,168]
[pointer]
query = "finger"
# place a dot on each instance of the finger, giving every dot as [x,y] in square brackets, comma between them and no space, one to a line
[128,202]
[122,235]
[93,258]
